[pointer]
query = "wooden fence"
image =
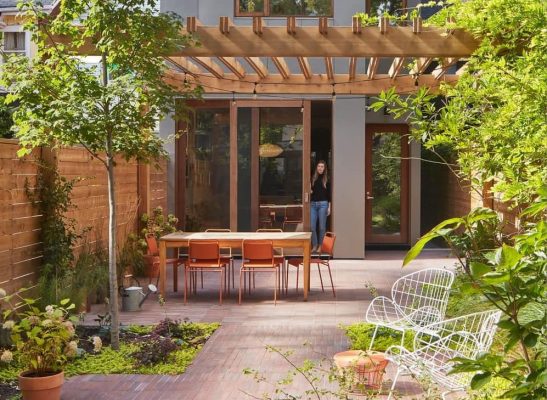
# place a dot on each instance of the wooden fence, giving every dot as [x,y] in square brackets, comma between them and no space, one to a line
[138,189]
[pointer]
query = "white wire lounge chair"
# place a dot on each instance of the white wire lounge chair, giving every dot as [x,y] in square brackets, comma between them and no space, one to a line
[465,336]
[417,299]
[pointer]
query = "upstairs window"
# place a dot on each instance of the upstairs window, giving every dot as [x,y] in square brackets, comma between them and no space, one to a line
[14,42]
[284,8]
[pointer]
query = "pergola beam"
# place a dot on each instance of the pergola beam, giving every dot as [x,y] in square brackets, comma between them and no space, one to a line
[208,64]
[318,84]
[258,66]
[443,66]
[329,67]
[396,66]
[184,64]
[372,67]
[352,67]
[282,67]
[305,67]
[233,65]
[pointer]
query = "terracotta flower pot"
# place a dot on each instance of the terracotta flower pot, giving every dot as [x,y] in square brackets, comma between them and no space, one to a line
[41,387]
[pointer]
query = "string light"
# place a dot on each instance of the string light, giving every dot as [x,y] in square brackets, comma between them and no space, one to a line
[234,98]
[302,108]
[185,79]
[333,93]
[254,92]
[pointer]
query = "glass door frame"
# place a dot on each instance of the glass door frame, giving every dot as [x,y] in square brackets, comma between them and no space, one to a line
[403,237]
[255,106]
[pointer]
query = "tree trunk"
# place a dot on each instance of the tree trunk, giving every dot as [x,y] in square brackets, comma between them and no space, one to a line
[112,270]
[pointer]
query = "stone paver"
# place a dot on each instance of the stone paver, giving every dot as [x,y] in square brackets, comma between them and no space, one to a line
[246,330]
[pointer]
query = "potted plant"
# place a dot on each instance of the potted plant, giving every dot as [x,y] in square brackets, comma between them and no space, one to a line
[45,341]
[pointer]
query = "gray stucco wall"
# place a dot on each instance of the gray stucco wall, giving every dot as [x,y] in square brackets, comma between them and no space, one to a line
[348,194]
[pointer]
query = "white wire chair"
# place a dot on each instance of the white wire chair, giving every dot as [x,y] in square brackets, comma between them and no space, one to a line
[466,336]
[417,299]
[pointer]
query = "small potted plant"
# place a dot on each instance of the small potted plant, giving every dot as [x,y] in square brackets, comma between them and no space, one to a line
[45,341]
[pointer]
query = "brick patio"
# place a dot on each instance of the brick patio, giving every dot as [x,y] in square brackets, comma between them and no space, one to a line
[240,342]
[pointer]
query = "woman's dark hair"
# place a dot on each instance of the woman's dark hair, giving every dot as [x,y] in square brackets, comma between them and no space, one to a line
[316,175]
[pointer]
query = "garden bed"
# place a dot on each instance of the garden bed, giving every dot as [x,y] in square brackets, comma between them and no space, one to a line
[166,348]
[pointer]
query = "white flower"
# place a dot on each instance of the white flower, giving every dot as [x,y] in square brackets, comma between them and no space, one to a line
[2,293]
[49,309]
[69,327]
[8,325]
[47,322]
[97,343]
[71,349]
[34,320]
[7,356]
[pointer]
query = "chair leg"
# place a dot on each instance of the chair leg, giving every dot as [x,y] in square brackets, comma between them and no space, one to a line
[331,281]
[221,289]
[202,279]
[373,337]
[185,283]
[175,277]
[393,384]
[320,277]
[233,269]
[275,287]
[297,274]
[241,275]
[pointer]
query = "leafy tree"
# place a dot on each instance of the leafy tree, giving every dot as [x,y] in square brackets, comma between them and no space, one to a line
[111,109]
[494,119]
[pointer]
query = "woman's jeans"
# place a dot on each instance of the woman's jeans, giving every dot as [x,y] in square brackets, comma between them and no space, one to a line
[318,214]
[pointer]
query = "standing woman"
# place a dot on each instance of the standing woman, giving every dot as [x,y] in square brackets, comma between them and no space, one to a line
[320,204]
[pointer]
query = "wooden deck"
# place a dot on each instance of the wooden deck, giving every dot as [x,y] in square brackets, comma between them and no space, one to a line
[247,329]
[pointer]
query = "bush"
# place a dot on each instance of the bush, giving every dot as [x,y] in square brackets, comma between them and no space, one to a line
[360,335]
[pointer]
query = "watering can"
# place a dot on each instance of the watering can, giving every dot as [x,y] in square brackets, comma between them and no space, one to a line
[133,297]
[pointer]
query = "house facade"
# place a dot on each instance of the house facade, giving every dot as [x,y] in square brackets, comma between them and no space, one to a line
[269,115]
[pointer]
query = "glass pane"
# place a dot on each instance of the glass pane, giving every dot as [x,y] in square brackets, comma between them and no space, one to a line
[386,183]
[208,171]
[280,161]
[300,7]
[244,124]
[14,41]
[251,6]
[393,7]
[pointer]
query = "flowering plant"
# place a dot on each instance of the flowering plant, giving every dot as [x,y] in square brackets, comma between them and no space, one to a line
[45,340]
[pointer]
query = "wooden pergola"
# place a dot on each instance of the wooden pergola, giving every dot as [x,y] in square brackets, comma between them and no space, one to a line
[256,59]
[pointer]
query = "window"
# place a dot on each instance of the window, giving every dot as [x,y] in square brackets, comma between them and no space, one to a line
[379,7]
[284,8]
[14,43]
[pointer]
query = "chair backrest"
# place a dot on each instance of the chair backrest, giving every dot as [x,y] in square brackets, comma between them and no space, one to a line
[217,230]
[204,251]
[466,336]
[423,294]
[269,230]
[260,251]
[293,213]
[327,247]
[152,244]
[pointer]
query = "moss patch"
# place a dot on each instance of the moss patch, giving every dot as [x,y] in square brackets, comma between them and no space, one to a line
[360,336]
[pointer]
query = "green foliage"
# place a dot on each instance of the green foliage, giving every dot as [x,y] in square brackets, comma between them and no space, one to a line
[494,117]
[58,233]
[158,224]
[90,273]
[360,335]
[6,119]
[44,340]
[130,257]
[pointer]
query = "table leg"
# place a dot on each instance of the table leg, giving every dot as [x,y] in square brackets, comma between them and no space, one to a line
[307,256]
[163,251]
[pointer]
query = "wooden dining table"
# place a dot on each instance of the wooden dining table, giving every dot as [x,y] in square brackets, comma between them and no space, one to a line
[234,240]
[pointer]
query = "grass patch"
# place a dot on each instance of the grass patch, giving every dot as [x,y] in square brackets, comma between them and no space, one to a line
[187,338]
[360,336]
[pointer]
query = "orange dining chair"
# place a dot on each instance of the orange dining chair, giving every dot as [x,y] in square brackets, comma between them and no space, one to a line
[323,258]
[279,257]
[226,257]
[258,256]
[204,256]
[293,216]
[153,258]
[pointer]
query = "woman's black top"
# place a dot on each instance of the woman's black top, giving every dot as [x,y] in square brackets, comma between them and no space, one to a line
[320,192]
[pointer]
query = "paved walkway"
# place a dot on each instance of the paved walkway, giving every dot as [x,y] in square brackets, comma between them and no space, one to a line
[216,373]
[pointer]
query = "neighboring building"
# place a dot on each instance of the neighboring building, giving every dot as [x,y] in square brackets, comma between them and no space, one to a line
[269,116]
